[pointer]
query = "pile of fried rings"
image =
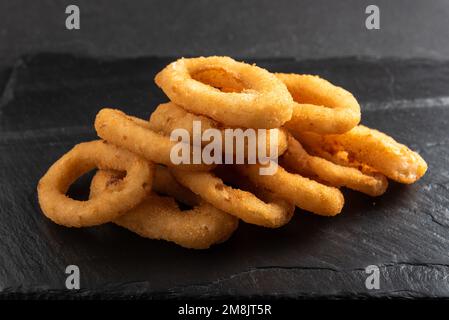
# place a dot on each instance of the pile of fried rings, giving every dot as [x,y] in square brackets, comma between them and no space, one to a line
[321,148]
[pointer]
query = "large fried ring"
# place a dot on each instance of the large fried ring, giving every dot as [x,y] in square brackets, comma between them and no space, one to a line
[262,100]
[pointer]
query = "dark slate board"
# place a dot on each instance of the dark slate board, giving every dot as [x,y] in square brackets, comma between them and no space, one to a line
[48,104]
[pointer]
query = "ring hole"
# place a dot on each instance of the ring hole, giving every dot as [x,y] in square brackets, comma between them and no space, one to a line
[220,79]
[79,190]
[183,206]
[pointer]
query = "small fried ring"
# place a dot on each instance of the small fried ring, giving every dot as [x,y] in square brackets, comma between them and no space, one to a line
[81,159]
[264,101]
[319,105]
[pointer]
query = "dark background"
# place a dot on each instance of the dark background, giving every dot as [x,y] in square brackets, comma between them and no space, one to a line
[250,28]
[53,81]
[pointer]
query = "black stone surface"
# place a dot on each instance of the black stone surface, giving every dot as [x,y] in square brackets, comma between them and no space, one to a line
[252,28]
[48,104]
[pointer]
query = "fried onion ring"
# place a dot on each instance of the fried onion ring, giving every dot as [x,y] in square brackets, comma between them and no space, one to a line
[263,102]
[373,148]
[319,105]
[81,159]
[169,116]
[135,134]
[298,160]
[305,193]
[160,218]
[239,203]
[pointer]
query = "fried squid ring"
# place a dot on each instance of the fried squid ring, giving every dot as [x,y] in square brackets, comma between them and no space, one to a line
[239,203]
[262,102]
[53,186]
[135,135]
[306,194]
[319,105]
[298,160]
[160,217]
[169,116]
[373,148]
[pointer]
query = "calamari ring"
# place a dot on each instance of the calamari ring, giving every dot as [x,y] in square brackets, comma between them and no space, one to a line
[81,159]
[160,218]
[319,105]
[306,194]
[374,148]
[239,203]
[298,160]
[263,102]
[169,116]
[135,135]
